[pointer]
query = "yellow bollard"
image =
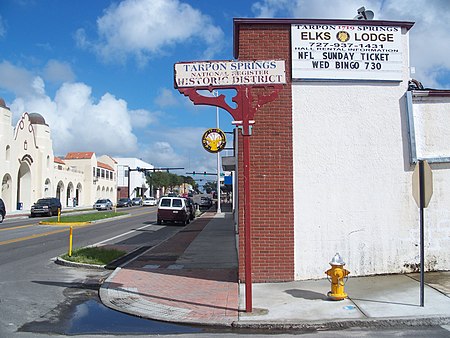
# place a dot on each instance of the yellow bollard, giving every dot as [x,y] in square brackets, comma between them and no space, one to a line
[59,215]
[70,241]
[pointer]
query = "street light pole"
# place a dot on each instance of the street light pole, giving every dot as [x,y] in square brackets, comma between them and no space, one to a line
[218,160]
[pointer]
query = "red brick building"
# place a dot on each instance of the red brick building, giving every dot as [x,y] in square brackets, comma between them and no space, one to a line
[271,168]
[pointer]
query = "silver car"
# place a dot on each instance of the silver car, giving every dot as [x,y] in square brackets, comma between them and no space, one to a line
[103,204]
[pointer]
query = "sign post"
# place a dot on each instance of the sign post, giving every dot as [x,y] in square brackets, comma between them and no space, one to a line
[243,77]
[422,186]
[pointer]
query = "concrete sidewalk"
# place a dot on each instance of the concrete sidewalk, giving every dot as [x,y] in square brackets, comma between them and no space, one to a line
[192,278]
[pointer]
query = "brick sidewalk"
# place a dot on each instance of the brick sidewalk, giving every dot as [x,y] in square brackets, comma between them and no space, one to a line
[155,286]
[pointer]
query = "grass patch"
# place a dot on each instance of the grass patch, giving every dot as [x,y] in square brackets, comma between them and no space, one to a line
[89,217]
[94,255]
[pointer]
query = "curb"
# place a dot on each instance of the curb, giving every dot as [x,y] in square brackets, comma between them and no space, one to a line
[345,324]
[60,261]
[65,223]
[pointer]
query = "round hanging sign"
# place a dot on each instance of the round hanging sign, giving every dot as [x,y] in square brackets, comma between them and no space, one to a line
[214,140]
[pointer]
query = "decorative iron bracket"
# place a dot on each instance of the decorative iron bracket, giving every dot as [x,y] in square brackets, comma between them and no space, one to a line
[245,110]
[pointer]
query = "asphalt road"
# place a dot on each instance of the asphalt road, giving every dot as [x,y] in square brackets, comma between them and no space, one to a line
[34,291]
[39,298]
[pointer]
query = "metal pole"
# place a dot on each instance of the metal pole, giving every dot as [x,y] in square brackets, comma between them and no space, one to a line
[422,249]
[247,221]
[218,161]
[129,172]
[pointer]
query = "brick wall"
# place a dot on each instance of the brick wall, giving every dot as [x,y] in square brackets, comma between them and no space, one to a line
[271,165]
[122,192]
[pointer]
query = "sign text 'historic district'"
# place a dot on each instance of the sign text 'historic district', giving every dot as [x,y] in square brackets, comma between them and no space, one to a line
[229,73]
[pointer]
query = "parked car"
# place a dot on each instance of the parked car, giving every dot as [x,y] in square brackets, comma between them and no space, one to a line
[191,206]
[173,209]
[137,201]
[46,206]
[124,202]
[103,204]
[2,210]
[149,201]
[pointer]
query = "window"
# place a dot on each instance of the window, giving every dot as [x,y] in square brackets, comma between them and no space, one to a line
[165,202]
[177,203]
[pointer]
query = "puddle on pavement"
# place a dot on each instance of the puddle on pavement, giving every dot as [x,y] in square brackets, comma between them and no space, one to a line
[93,317]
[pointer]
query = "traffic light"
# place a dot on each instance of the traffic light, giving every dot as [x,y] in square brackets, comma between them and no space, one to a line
[193,173]
[204,173]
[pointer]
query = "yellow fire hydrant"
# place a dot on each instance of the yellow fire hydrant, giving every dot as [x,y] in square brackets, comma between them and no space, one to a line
[338,276]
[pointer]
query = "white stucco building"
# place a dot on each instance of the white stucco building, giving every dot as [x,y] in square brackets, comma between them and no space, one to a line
[332,157]
[133,181]
[29,169]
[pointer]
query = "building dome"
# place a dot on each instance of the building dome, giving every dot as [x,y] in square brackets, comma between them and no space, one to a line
[3,104]
[36,118]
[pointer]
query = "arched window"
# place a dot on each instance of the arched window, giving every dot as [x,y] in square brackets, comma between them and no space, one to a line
[8,153]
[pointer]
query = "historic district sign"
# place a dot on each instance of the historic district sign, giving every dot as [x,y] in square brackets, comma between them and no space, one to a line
[344,52]
[229,73]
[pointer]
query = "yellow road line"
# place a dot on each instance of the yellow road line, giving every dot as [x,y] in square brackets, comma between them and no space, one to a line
[66,228]
[15,240]
[18,227]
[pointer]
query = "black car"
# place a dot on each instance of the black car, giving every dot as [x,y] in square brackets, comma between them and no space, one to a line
[2,210]
[191,206]
[205,202]
[46,206]
[124,202]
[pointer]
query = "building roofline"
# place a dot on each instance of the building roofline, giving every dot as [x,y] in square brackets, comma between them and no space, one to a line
[237,22]
[431,92]
[104,166]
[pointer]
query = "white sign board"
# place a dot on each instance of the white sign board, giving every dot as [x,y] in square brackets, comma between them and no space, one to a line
[229,73]
[344,52]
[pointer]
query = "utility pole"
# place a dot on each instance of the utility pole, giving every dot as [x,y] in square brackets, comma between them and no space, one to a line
[218,160]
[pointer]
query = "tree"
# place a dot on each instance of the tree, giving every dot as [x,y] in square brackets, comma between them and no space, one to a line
[157,180]
[210,186]
[162,179]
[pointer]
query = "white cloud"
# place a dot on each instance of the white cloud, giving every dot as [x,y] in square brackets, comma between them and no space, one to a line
[166,98]
[179,147]
[58,72]
[142,28]
[141,118]
[429,38]
[161,153]
[78,123]
[270,8]
[16,80]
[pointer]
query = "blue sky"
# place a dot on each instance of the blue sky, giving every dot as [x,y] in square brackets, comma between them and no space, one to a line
[101,72]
